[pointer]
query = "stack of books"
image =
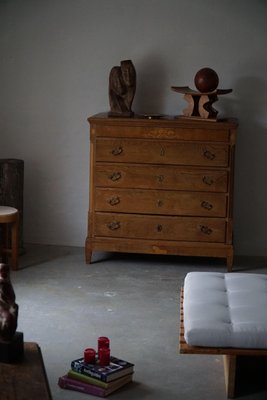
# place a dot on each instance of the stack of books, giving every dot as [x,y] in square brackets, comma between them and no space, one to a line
[95,379]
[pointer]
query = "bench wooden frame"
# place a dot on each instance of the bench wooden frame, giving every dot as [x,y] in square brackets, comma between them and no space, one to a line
[229,354]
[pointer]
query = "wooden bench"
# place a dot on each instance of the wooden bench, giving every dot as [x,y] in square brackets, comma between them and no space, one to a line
[26,379]
[230,355]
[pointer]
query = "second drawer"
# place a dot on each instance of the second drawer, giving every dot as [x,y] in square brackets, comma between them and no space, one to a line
[161,177]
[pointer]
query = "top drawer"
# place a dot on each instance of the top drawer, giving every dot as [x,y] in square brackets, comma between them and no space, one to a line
[162,152]
[173,129]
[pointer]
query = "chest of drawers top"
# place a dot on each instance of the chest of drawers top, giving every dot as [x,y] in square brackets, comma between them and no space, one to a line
[170,128]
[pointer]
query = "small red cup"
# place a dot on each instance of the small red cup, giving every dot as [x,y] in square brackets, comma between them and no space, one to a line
[89,356]
[103,342]
[104,356]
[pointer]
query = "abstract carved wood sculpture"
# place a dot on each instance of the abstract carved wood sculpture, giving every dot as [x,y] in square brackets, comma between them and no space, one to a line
[122,86]
[8,307]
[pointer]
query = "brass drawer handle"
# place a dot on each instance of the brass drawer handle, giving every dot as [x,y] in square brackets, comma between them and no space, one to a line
[160,178]
[209,155]
[159,228]
[207,205]
[114,200]
[113,225]
[205,229]
[208,180]
[117,151]
[115,176]
[160,203]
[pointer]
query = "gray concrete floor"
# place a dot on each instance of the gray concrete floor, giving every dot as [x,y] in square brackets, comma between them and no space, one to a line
[64,305]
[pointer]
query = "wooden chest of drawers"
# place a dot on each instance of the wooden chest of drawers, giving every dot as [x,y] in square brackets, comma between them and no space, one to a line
[161,186]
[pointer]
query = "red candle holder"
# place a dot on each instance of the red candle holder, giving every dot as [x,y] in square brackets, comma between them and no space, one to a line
[103,343]
[104,356]
[89,356]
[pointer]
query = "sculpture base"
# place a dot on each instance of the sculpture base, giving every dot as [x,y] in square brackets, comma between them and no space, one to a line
[121,115]
[200,105]
[13,351]
[197,118]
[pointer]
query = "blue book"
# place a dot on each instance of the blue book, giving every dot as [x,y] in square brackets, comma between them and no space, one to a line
[116,369]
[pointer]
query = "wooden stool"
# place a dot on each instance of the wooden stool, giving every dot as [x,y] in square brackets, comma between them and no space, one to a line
[9,215]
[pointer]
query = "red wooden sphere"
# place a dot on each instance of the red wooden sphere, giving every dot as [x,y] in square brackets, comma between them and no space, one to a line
[206,80]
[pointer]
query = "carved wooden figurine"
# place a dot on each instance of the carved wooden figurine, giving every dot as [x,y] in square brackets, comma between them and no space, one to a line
[8,307]
[122,86]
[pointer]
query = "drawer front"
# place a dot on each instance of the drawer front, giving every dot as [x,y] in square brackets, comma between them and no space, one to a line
[166,177]
[163,132]
[159,228]
[161,202]
[161,152]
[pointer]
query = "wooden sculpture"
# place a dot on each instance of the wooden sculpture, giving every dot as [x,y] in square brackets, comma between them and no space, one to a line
[8,307]
[200,103]
[122,86]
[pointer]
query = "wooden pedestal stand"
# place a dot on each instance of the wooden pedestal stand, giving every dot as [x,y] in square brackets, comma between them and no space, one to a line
[200,105]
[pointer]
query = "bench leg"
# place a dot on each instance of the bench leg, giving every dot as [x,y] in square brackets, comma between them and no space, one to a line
[230,375]
[230,261]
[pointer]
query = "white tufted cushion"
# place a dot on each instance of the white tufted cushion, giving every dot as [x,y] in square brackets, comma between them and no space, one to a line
[225,310]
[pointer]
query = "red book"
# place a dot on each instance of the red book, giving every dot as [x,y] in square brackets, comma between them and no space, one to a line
[72,384]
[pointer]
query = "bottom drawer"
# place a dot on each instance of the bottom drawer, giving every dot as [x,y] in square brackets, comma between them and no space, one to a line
[159,227]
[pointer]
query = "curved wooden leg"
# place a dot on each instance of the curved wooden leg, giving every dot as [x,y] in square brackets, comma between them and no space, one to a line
[88,253]
[88,257]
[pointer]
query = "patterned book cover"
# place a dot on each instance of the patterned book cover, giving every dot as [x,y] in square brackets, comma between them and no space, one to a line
[116,369]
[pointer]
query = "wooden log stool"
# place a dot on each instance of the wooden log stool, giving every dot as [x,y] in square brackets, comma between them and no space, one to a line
[224,314]
[9,220]
[26,379]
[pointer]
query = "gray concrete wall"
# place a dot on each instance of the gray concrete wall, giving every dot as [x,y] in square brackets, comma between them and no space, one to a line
[55,59]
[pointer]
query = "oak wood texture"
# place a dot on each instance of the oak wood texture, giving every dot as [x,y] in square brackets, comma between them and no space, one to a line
[230,355]
[161,186]
[26,379]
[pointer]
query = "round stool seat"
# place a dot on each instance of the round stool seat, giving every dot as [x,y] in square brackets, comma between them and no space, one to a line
[8,214]
[4,210]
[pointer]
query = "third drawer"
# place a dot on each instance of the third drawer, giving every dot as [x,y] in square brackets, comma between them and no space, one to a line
[166,202]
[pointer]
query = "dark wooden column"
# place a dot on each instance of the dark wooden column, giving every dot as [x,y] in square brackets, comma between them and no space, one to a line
[11,188]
